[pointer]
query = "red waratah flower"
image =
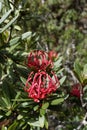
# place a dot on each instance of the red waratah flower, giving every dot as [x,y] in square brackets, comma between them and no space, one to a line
[39,60]
[75,90]
[52,55]
[40,84]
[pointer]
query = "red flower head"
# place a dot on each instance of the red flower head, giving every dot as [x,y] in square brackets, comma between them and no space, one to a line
[52,55]
[40,85]
[76,90]
[39,60]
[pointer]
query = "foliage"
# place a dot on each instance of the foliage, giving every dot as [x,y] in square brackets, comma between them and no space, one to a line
[58,25]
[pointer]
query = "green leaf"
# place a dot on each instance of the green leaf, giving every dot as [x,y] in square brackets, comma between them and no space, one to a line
[13,41]
[57,101]
[17,39]
[57,64]
[36,107]
[6,101]
[25,35]
[17,96]
[19,117]
[78,70]
[25,104]
[62,80]
[2,104]
[17,27]
[13,126]
[85,71]
[1,116]
[45,105]
[59,71]
[8,113]
[22,70]
[9,24]
[23,80]
[42,111]
[22,100]
[41,121]
[5,16]
[36,123]
[46,123]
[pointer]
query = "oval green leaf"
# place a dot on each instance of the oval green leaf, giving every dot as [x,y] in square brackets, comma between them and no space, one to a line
[57,101]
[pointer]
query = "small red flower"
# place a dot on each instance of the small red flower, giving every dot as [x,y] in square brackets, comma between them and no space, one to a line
[52,55]
[75,90]
[40,85]
[39,60]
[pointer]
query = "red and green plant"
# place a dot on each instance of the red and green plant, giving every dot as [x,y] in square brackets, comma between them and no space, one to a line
[43,64]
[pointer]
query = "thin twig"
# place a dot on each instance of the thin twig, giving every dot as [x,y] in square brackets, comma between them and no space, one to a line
[71,73]
[83,123]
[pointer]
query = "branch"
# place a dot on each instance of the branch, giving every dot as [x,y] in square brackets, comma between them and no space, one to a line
[71,73]
[83,123]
